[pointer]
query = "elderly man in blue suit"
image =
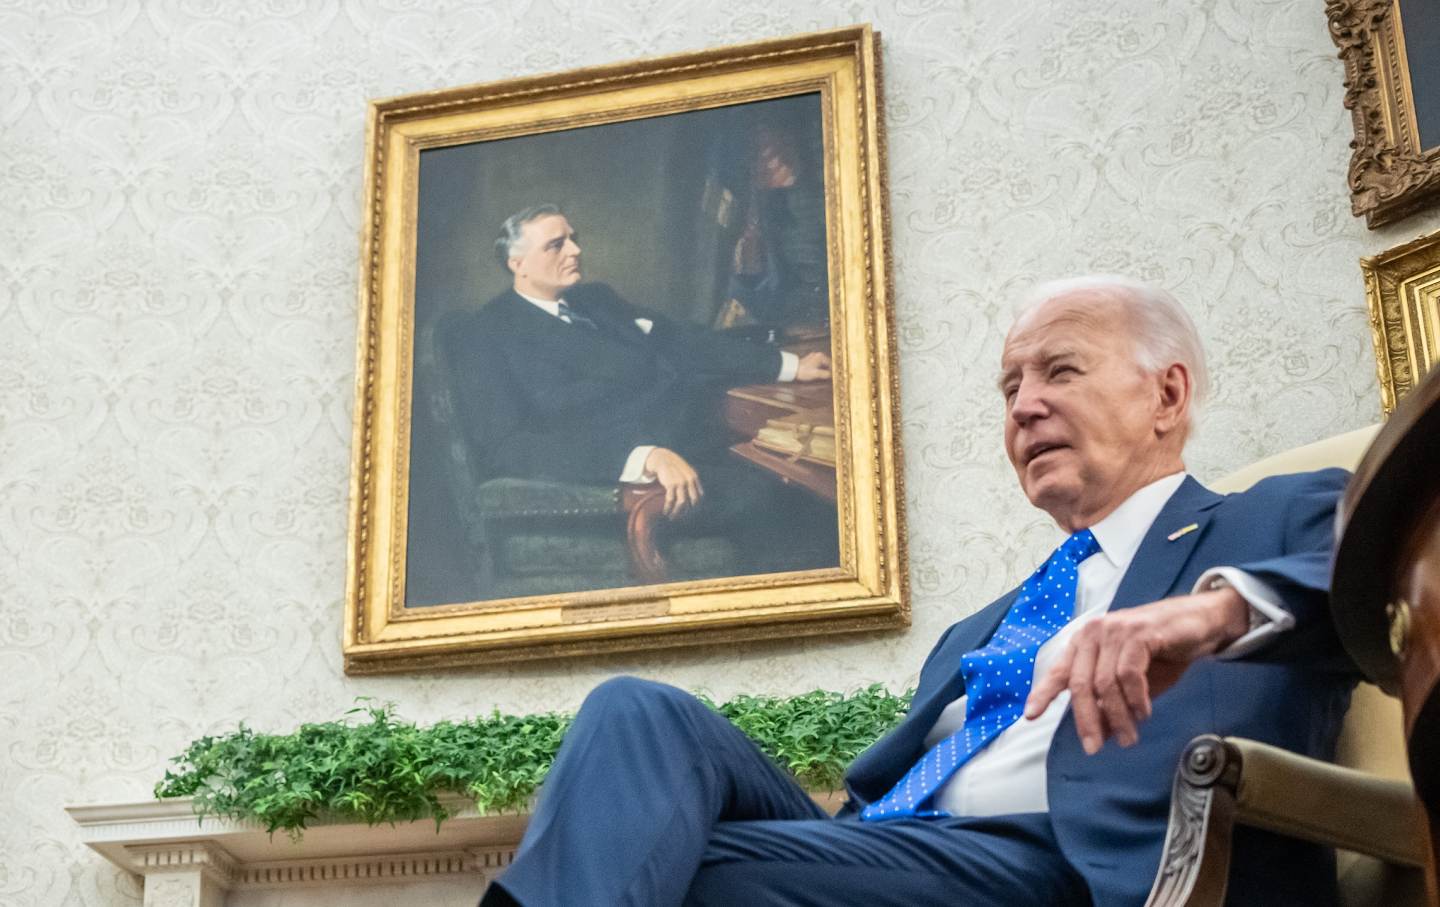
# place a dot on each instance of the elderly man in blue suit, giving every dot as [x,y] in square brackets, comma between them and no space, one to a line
[1035,764]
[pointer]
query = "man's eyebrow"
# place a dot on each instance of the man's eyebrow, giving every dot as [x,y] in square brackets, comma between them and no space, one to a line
[1045,358]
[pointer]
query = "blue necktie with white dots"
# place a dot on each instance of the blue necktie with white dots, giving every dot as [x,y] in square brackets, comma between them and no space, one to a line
[997,680]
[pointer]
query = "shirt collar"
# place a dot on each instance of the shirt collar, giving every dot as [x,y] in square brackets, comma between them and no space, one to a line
[549,306]
[1121,533]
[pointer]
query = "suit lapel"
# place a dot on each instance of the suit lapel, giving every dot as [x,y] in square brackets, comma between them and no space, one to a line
[530,320]
[608,323]
[1168,545]
[569,342]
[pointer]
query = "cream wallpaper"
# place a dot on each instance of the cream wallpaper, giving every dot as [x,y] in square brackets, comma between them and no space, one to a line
[178,262]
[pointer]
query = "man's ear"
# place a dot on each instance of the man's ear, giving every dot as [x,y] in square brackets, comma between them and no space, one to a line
[1175,388]
[513,263]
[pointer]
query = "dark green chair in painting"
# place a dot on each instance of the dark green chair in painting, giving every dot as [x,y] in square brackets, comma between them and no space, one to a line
[539,537]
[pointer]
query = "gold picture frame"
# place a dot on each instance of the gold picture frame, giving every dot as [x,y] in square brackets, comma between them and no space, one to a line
[1402,290]
[1391,175]
[824,89]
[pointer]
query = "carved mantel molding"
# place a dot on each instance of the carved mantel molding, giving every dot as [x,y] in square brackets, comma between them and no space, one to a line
[185,861]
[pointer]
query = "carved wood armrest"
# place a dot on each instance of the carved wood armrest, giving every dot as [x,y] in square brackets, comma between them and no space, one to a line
[1329,804]
[642,505]
[1224,781]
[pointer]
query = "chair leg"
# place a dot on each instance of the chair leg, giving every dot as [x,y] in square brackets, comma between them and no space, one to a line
[1195,865]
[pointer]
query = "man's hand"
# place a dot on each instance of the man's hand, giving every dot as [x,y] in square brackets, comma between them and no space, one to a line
[677,477]
[1118,662]
[813,367]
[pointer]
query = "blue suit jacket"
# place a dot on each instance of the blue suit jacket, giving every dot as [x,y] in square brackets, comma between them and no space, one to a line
[1110,810]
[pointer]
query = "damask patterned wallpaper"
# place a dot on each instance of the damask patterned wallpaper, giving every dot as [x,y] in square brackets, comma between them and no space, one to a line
[178,262]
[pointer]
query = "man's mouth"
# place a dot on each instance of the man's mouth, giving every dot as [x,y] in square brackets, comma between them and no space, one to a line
[1040,448]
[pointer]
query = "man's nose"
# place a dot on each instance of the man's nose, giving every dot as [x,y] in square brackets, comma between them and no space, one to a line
[571,247]
[1028,403]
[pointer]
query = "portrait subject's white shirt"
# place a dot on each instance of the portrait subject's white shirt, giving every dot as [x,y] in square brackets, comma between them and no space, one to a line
[1008,776]
[634,470]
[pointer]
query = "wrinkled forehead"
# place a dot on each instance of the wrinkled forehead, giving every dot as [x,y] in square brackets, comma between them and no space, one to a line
[1076,322]
[545,228]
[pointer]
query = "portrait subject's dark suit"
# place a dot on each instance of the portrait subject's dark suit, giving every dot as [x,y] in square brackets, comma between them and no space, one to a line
[650,792]
[539,398]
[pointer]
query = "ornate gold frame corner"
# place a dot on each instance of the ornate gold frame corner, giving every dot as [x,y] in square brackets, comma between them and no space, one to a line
[869,591]
[1402,290]
[1391,176]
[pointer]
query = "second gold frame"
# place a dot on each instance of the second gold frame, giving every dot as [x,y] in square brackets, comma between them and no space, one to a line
[1402,288]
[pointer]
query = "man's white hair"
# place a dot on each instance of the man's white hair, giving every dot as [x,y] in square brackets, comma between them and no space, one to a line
[1161,331]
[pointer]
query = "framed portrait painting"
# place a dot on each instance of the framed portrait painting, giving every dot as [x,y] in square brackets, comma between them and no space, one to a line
[625,372]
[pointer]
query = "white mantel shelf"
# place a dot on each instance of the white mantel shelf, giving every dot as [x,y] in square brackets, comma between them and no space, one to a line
[186,861]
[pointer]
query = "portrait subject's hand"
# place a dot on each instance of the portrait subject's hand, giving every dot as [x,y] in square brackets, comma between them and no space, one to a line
[678,478]
[813,367]
[1116,664]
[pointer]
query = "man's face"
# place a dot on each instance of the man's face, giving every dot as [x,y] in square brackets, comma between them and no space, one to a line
[548,259]
[1085,427]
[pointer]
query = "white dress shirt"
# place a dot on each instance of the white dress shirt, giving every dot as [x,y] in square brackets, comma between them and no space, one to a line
[1008,775]
[634,470]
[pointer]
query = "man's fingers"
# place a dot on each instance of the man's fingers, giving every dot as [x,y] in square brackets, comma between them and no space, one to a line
[1132,670]
[1108,691]
[813,367]
[681,484]
[687,496]
[1114,715]
[1049,686]
[1088,722]
[683,500]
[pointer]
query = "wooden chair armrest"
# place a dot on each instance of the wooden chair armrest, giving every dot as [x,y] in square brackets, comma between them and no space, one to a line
[643,505]
[1342,807]
[1224,781]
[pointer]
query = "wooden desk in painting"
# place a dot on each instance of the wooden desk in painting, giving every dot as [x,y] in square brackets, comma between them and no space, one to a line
[787,430]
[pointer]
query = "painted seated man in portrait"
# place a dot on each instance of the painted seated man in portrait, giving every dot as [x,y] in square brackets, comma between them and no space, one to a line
[562,380]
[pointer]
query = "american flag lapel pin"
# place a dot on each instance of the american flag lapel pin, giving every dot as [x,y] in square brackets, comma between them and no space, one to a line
[1181,531]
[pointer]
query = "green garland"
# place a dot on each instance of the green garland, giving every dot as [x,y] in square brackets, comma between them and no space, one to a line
[388,770]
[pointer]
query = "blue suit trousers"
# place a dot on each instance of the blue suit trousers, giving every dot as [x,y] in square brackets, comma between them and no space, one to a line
[655,800]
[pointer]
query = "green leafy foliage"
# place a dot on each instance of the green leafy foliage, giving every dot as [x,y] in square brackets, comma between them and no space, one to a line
[816,735]
[387,770]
